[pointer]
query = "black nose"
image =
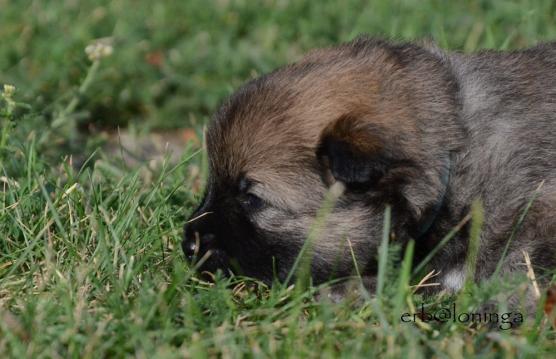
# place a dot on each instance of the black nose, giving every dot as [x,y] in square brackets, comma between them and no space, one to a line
[200,228]
[189,248]
[199,236]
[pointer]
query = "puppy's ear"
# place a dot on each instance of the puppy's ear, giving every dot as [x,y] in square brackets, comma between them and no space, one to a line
[350,151]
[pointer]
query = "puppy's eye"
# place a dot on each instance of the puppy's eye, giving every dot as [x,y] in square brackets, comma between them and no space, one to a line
[251,201]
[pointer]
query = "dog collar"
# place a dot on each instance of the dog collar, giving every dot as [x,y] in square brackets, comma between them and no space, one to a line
[435,211]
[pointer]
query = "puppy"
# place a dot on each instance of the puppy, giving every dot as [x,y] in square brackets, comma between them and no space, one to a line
[412,127]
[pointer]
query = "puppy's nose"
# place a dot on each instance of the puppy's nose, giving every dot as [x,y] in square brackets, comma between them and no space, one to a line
[189,248]
[196,245]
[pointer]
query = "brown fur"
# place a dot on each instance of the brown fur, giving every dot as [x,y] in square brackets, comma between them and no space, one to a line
[403,125]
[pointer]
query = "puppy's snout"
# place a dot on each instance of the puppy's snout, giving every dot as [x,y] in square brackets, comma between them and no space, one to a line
[197,245]
[198,239]
[189,248]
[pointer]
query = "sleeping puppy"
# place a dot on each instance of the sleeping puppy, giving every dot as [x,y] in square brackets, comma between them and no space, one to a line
[412,127]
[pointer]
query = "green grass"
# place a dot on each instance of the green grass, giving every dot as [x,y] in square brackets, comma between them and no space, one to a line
[90,264]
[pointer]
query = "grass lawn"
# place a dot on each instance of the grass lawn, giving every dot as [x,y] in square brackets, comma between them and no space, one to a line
[90,262]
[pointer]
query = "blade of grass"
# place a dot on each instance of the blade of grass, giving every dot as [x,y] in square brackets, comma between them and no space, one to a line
[302,263]
[383,252]
[441,244]
[477,220]
[517,227]
[403,278]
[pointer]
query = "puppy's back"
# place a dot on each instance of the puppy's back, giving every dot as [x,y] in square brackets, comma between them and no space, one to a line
[508,106]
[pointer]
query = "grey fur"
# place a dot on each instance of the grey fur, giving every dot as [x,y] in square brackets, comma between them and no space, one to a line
[491,116]
[508,110]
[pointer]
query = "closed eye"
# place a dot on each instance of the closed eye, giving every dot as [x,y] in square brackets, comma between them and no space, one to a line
[251,202]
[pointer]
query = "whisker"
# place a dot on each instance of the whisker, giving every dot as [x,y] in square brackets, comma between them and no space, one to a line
[196,218]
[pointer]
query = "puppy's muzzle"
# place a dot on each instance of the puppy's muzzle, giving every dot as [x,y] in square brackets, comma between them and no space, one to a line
[199,237]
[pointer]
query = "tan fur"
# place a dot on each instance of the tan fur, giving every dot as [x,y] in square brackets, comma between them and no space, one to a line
[423,131]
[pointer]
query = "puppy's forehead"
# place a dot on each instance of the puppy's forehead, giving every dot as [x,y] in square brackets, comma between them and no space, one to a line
[256,130]
[273,123]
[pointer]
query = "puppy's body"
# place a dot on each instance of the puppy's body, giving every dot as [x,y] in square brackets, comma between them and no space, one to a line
[508,109]
[424,131]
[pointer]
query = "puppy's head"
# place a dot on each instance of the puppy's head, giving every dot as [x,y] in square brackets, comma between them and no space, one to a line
[378,117]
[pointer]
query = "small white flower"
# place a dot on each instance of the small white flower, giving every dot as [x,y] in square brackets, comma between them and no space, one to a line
[99,49]
[7,95]
[8,91]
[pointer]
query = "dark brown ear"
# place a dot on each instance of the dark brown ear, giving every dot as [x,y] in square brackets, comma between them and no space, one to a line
[350,151]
